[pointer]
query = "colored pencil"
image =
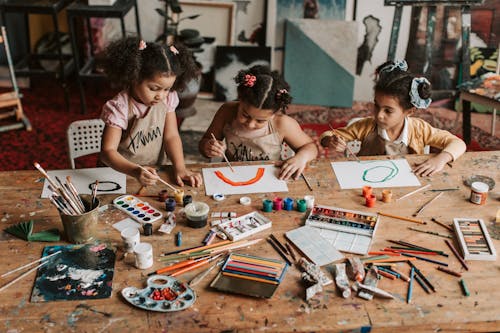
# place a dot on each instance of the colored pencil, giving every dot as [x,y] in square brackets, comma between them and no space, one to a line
[307,182]
[198,278]
[346,145]
[449,271]
[283,248]
[455,252]
[246,277]
[430,232]
[402,276]
[410,285]
[223,155]
[393,274]
[194,266]
[280,252]
[422,283]
[409,219]
[422,276]
[413,192]
[442,224]
[416,247]
[425,259]
[399,251]
[291,251]
[173,267]
[421,209]
[444,189]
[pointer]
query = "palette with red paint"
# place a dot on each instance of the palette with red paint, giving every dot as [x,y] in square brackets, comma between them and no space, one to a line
[139,210]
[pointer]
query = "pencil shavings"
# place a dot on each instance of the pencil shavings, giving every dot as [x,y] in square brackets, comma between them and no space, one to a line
[24,230]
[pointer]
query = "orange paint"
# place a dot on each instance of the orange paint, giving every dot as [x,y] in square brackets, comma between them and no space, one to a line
[258,176]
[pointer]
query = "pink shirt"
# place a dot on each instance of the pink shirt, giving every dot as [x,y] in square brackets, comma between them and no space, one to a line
[115,112]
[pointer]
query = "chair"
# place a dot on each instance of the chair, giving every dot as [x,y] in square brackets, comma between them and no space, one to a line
[12,99]
[84,138]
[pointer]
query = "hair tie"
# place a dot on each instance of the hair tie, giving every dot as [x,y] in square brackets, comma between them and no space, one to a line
[174,50]
[249,80]
[400,64]
[142,45]
[282,92]
[415,99]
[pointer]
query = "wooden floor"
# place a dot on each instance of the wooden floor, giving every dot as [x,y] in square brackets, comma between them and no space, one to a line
[446,310]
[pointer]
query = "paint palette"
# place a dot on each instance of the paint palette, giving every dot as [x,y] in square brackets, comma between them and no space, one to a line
[244,226]
[348,230]
[474,239]
[163,294]
[139,210]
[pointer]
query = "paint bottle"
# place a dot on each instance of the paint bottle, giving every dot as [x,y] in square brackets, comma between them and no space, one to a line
[148,229]
[386,196]
[301,205]
[288,204]
[179,196]
[170,205]
[370,200]
[178,239]
[309,201]
[367,191]
[267,205]
[479,192]
[277,203]
[163,195]
[187,200]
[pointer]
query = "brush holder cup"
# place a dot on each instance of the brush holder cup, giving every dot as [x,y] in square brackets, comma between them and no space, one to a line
[80,229]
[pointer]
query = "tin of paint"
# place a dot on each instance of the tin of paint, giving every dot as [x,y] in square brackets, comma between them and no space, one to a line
[170,204]
[148,229]
[187,200]
[478,193]
[196,214]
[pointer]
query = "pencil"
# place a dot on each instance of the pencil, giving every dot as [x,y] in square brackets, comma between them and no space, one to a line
[422,283]
[465,290]
[442,224]
[425,259]
[223,155]
[413,192]
[455,252]
[290,250]
[281,253]
[279,244]
[307,182]
[416,247]
[421,209]
[402,218]
[449,271]
[422,276]
[410,285]
[430,232]
[246,277]
[346,145]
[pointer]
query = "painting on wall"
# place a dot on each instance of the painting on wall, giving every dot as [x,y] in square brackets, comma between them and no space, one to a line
[250,26]
[231,59]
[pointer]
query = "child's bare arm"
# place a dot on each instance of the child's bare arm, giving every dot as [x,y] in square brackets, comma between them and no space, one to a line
[209,147]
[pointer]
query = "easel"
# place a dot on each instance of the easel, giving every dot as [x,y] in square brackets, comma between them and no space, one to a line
[12,100]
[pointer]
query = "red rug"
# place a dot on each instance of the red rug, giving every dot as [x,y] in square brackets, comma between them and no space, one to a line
[45,107]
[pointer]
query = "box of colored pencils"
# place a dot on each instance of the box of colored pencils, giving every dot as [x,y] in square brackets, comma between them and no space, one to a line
[250,275]
[474,239]
[348,230]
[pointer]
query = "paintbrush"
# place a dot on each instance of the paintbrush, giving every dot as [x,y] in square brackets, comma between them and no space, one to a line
[427,204]
[94,195]
[223,155]
[346,145]
[161,180]
[413,192]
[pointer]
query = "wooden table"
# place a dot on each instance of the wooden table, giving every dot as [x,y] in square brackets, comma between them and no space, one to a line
[443,311]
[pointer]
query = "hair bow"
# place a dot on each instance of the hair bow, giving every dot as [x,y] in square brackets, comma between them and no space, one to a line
[142,45]
[400,64]
[415,99]
[282,92]
[174,50]
[249,80]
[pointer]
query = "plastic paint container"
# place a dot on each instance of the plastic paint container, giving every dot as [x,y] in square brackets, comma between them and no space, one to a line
[301,205]
[386,196]
[163,195]
[196,214]
[170,205]
[370,200]
[187,200]
[148,229]
[288,204]
[367,191]
[479,192]
[179,196]
[267,205]
[277,203]
[309,201]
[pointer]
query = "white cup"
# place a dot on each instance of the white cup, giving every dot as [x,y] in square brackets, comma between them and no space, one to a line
[131,237]
[143,255]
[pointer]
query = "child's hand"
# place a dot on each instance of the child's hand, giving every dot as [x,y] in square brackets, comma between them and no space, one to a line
[214,148]
[291,167]
[334,142]
[432,165]
[194,178]
[147,176]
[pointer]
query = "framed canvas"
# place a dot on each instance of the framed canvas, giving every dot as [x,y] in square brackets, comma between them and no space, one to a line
[231,59]
[250,23]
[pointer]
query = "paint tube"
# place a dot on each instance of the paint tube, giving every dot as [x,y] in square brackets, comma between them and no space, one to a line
[371,280]
[341,280]
[355,269]
[376,291]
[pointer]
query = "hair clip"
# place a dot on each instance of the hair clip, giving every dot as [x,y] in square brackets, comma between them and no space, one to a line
[400,64]
[174,50]
[249,80]
[282,92]
[142,45]
[415,99]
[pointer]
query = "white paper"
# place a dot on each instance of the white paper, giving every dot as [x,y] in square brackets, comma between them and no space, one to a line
[376,173]
[108,178]
[268,183]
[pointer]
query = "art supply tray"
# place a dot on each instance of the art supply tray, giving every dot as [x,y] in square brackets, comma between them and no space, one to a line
[348,230]
[474,239]
[139,210]
[172,295]
[244,226]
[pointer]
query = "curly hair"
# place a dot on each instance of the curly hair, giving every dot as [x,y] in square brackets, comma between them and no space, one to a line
[125,63]
[263,88]
[397,83]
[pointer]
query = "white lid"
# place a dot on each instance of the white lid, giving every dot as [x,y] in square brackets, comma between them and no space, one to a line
[142,248]
[480,187]
[129,232]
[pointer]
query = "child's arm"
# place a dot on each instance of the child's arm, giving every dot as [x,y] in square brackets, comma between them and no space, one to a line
[209,147]
[300,142]
[173,147]
[452,148]
[111,157]
[337,138]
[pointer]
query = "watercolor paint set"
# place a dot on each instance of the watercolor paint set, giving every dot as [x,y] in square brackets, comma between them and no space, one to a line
[137,209]
[474,239]
[348,230]
[244,226]
[163,294]
[250,275]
